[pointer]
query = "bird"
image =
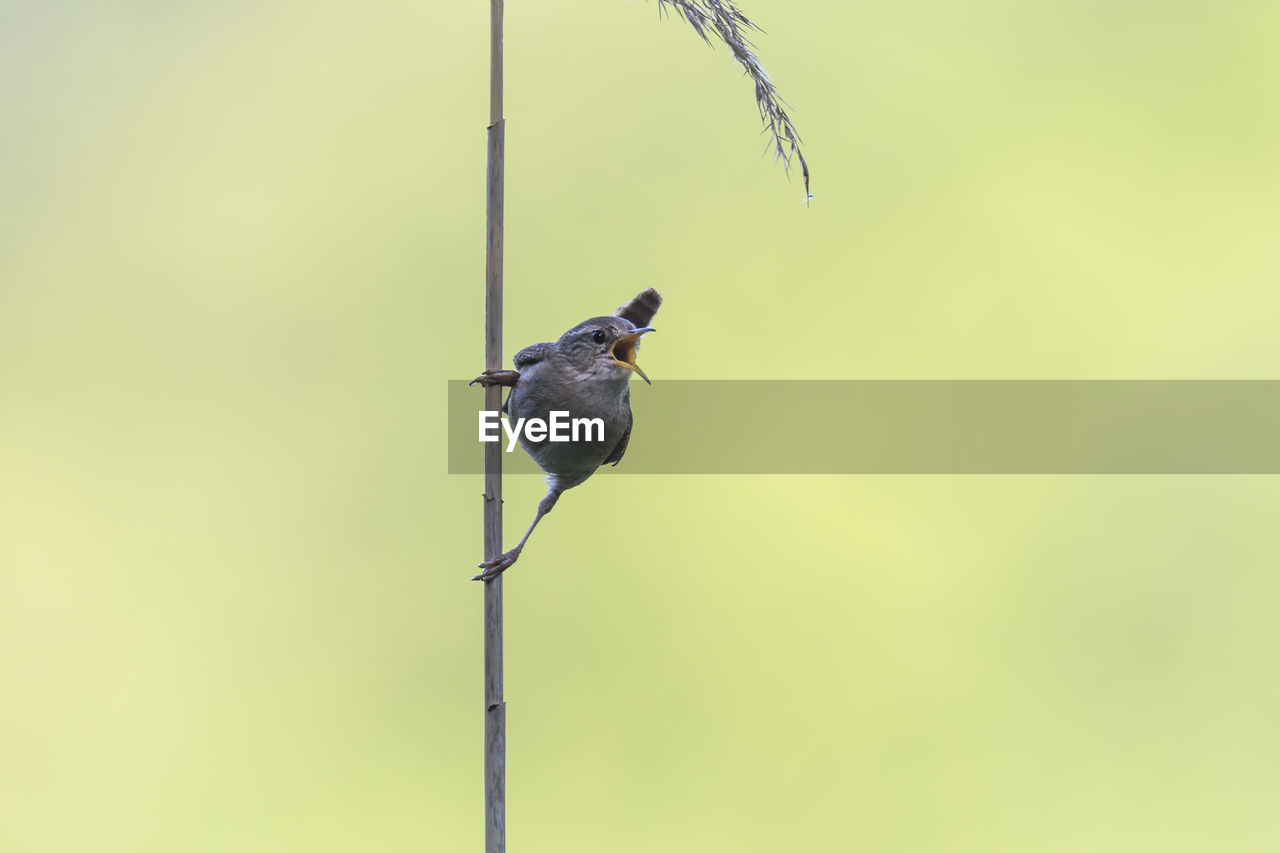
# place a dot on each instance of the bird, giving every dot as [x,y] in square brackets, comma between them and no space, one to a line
[586,372]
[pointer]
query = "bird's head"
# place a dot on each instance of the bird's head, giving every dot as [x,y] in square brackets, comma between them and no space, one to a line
[604,346]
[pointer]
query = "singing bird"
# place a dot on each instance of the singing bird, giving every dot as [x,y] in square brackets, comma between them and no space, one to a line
[585,373]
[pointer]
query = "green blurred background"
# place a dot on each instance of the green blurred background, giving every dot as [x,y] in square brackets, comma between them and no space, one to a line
[241,252]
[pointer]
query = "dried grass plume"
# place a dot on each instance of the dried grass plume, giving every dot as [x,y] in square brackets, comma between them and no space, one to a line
[727,21]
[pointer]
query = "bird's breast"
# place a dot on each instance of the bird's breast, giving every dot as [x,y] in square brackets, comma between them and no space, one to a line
[583,419]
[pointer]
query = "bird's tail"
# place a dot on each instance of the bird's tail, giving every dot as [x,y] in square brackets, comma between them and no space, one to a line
[640,310]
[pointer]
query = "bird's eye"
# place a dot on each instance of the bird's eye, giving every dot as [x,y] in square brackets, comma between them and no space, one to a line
[599,336]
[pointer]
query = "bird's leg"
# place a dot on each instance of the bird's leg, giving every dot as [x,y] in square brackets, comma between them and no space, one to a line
[498,565]
[496,377]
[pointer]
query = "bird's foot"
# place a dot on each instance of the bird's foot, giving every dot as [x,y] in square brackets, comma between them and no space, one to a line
[496,566]
[496,377]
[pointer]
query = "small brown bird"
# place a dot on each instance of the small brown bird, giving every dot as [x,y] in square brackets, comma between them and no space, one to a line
[586,374]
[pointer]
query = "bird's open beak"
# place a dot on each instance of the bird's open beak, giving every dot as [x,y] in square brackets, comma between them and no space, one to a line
[624,351]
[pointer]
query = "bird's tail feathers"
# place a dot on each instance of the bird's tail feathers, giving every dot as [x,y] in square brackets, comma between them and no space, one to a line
[640,310]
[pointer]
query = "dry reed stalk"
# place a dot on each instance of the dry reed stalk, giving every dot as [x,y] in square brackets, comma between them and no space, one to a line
[495,706]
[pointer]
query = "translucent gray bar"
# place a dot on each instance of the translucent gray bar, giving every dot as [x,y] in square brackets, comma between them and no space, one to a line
[928,427]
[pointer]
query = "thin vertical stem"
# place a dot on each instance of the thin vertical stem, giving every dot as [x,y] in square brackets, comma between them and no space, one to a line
[495,61]
[495,710]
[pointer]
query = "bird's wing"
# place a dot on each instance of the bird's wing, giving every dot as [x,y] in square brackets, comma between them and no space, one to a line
[615,455]
[527,357]
[532,354]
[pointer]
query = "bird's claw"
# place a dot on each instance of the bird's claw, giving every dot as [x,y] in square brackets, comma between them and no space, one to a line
[496,377]
[496,566]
